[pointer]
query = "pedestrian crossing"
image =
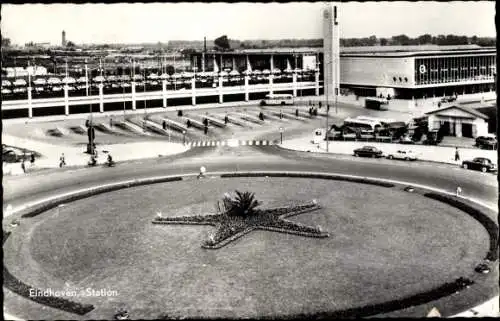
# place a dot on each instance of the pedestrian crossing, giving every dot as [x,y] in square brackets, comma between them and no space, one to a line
[231,143]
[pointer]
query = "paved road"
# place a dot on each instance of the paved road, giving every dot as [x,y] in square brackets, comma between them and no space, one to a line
[21,189]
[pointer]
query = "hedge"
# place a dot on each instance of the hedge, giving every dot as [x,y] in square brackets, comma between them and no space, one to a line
[94,191]
[21,288]
[305,175]
[373,309]
[482,218]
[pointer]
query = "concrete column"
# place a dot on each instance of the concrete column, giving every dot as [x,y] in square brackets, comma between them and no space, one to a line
[101,97]
[134,102]
[458,128]
[193,91]
[316,79]
[164,92]
[221,100]
[294,82]
[30,103]
[66,100]
[271,91]
[247,89]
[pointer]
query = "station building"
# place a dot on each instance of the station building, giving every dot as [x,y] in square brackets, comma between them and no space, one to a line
[405,72]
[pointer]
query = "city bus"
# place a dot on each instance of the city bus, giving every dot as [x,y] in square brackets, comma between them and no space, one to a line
[362,124]
[382,121]
[277,99]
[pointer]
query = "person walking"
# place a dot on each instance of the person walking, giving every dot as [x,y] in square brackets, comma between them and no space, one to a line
[457,155]
[62,160]
[23,166]
[32,159]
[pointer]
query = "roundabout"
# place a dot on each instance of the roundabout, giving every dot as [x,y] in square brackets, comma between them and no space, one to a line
[386,247]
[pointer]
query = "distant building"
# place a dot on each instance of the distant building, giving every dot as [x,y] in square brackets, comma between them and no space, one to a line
[63,42]
[37,45]
[458,121]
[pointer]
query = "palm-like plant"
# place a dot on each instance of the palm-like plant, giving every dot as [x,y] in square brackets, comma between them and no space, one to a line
[243,204]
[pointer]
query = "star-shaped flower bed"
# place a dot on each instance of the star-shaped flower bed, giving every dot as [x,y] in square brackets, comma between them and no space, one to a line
[231,227]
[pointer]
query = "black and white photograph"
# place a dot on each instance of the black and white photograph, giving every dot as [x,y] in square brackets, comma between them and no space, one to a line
[249,160]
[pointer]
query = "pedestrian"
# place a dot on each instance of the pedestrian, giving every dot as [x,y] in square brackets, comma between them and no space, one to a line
[202,172]
[310,111]
[206,130]
[297,112]
[459,190]
[62,160]
[23,166]
[188,123]
[110,121]
[32,159]
[319,105]
[281,114]
[164,125]
[457,155]
[226,119]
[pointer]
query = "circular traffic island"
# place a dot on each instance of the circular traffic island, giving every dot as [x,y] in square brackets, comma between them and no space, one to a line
[331,248]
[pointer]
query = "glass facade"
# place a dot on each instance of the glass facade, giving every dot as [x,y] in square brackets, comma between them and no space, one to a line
[440,70]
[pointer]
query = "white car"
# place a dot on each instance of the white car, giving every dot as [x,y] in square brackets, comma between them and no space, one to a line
[403,154]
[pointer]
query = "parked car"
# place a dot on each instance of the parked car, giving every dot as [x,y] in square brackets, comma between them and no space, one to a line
[368,151]
[406,140]
[486,141]
[482,268]
[403,154]
[480,163]
[11,156]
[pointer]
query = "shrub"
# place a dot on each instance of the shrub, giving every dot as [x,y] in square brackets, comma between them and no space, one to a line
[482,218]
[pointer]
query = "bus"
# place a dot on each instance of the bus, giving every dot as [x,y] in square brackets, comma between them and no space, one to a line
[376,103]
[362,124]
[277,99]
[382,121]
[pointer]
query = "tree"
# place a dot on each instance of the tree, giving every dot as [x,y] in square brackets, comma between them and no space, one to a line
[383,42]
[243,204]
[222,43]
[5,42]
[424,39]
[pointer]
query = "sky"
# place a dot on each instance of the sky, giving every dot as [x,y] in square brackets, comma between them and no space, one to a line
[161,22]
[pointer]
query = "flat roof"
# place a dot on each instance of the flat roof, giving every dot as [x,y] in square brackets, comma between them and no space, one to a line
[368,51]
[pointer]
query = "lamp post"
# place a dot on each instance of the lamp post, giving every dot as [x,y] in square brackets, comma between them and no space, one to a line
[89,92]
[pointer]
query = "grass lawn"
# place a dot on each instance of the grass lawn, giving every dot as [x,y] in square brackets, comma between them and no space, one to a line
[384,244]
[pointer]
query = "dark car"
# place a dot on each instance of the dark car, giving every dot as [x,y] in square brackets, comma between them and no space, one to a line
[10,156]
[480,163]
[368,151]
[482,268]
[489,142]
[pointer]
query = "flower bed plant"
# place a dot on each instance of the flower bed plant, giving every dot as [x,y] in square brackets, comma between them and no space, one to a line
[241,216]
